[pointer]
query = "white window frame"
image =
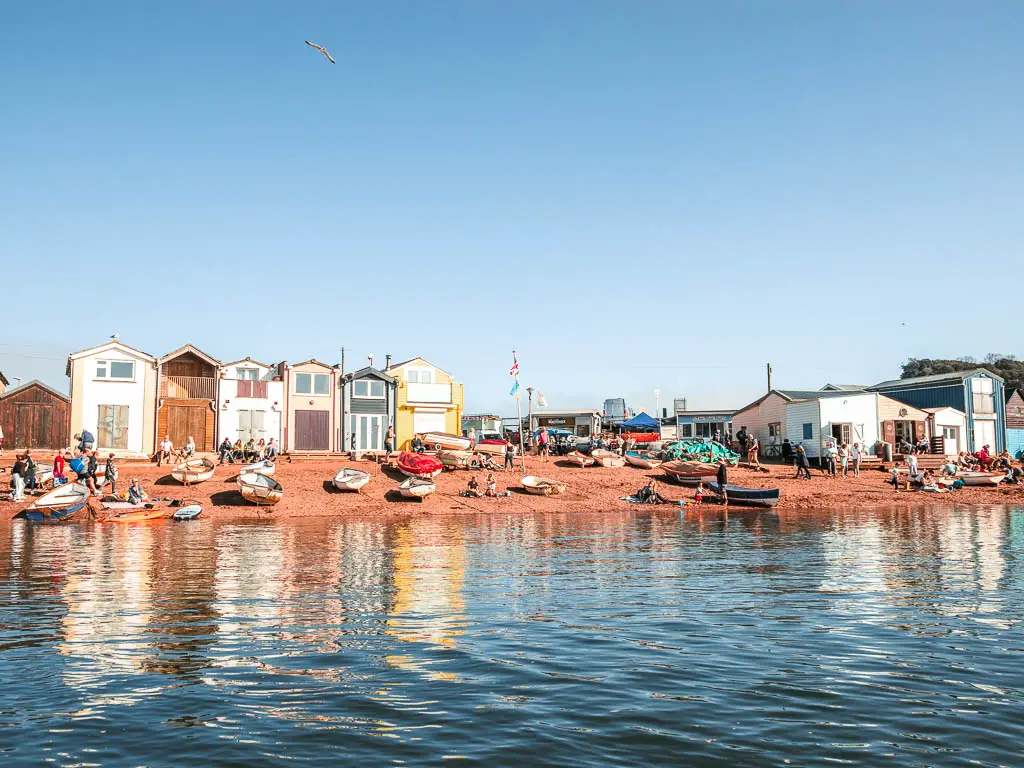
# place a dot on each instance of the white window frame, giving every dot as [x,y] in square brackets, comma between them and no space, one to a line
[327,384]
[313,379]
[243,374]
[429,372]
[298,378]
[370,383]
[107,368]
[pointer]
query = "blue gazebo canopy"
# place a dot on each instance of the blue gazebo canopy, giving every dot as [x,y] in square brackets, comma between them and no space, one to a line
[641,422]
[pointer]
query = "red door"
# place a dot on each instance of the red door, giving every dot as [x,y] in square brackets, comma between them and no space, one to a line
[312,430]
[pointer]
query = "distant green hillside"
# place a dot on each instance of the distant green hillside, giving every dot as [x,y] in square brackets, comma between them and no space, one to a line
[1007,366]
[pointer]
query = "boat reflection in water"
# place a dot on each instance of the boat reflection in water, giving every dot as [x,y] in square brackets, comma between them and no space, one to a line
[567,636]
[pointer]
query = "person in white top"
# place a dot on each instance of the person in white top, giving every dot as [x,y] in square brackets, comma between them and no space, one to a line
[190,447]
[844,459]
[912,464]
[166,451]
[855,454]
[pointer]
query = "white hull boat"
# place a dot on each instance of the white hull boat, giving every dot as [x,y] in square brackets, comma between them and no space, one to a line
[642,460]
[261,490]
[265,467]
[349,479]
[981,478]
[542,486]
[416,488]
[193,471]
[443,441]
[580,459]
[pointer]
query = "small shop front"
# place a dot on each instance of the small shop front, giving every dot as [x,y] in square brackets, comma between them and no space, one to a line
[703,424]
[580,423]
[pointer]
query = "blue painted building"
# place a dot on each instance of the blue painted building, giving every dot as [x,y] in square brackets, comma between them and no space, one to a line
[1015,423]
[702,424]
[979,393]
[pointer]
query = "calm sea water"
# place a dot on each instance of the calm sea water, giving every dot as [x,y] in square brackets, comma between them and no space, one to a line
[863,638]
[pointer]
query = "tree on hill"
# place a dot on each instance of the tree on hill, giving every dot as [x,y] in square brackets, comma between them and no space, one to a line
[1007,366]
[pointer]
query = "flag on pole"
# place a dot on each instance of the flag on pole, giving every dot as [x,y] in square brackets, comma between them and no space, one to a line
[515,389]
[514,370]
[541,402]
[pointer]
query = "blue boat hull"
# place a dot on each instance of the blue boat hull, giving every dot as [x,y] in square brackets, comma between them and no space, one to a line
[50,515]
[751,497]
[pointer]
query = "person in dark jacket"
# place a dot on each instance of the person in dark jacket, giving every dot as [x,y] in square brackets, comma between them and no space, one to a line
[510,456]
[787,451]
[18,479]
[723,480]
[90,471]
[803,466]
[30,471]
[417,444]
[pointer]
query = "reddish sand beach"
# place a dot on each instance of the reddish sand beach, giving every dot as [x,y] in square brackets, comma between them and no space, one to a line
[308,490]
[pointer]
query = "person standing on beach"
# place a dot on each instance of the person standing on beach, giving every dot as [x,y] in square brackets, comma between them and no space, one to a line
[90,471]
[18,479]
[389,440]
[542,443]
[741,438]
[472,438]
[844,459]
[510,455]
[855,454]
[723,480]
[829,467]
[58,469]
[110,474]
[803,467]
[787,451]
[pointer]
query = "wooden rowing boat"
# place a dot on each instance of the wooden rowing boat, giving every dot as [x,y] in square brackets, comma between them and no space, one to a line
[455,459]
[605,458]
[261,490]
[59,505]
[265,467]
[542,486]
[445,441]
[689,472]
[580,459]
[642,460]
[749,497]
[193,471]
[348,479]
[418,465]
[416,488]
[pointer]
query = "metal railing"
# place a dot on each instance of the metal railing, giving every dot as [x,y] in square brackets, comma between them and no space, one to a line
[188,387]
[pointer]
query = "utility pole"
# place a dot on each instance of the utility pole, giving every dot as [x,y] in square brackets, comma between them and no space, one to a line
[769,377]
[529,417]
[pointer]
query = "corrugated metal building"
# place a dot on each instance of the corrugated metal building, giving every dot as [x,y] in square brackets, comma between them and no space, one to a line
[1015,423]
[978,393]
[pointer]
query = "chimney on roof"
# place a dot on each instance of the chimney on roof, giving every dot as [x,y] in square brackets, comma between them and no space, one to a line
[371,360]
[387,362]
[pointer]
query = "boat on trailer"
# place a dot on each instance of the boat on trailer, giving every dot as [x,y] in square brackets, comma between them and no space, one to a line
[445,441]
[59,505]
[193,471]
[416,488]
[349,479]
[455,459]
[419,465]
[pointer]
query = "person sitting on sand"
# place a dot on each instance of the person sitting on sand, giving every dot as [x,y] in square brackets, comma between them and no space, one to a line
[472,488]
[135,493]
[492,485]
[649,493]
[272,451]
[225,451]
[250,450]
[417,444]
[166,452]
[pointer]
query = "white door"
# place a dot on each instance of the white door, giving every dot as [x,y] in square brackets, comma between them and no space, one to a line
[427,422]
[368,432]
[256,425]
[950,443]
[985,434]
[244,426]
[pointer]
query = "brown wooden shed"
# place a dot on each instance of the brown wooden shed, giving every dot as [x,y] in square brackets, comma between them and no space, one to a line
[34,416]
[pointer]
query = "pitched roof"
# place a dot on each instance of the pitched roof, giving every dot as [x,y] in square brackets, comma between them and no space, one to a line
[248,360]
[1011,392]
[369,371]
[843,387]
[313,361]
[194,350]
[35,383]
[413,360]
[935,378]
[792,395]
[105,345]
[4,379]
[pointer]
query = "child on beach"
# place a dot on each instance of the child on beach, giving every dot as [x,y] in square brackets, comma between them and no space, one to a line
[58,469]
[698,498]
[110,474]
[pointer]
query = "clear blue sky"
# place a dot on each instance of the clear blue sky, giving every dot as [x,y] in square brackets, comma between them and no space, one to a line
[632,194]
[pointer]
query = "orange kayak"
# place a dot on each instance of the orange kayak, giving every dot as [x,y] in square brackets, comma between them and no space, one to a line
[135,516]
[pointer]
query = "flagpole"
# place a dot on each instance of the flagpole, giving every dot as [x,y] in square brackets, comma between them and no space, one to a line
[519,412]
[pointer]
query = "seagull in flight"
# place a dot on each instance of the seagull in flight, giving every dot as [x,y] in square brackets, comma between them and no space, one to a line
[322,50]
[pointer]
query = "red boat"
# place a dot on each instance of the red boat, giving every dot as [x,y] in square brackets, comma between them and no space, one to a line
[643,437]
[419,465]
[492,446]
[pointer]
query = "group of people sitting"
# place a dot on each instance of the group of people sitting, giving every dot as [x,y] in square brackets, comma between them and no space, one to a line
[248,452]
[473,488]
